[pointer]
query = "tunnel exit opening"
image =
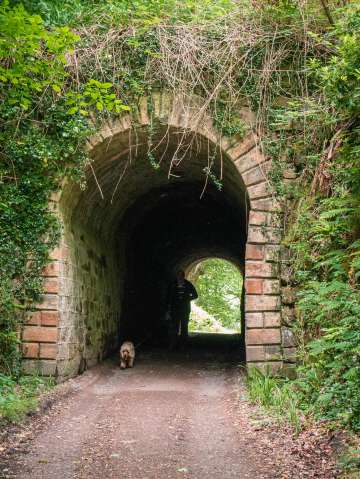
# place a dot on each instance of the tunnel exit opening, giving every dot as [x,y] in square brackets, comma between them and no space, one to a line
[219,284]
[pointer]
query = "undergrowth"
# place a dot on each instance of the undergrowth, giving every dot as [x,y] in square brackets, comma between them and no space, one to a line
[350,463]
[18,397]
[277,395]
[285,402]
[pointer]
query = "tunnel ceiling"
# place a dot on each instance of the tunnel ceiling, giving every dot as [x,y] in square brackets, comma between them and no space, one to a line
[121,179]
[174,226]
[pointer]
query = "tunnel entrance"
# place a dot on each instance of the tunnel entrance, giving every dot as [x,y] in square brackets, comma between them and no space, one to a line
[163,191]
[139,221]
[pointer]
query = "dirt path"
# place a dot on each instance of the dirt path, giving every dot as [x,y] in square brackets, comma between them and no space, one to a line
[166,418]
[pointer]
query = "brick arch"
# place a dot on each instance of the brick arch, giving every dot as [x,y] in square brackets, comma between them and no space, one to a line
[46,339]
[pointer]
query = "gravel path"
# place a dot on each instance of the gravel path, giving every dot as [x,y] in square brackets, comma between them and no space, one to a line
[170,417]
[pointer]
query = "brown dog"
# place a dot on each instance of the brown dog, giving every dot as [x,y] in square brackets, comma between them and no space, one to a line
[127,355]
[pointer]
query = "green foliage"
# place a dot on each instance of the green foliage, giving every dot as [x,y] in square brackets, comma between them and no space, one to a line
[340,77]
[350,461]
[94,95]
[41,143]
[330,377]
[32,58]
[143,13]
[227,121]
[219,284]
[324,237]
[276,395]
[19,397]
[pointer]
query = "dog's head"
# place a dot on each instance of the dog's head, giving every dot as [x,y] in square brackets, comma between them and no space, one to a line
[125,354]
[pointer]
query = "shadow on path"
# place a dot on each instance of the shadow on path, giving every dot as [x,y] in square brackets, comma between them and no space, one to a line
[207,346]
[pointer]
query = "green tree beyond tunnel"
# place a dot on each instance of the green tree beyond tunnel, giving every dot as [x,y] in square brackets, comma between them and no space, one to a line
[219,285]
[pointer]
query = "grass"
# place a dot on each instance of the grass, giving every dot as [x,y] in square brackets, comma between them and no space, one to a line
[276,395]
[18,397]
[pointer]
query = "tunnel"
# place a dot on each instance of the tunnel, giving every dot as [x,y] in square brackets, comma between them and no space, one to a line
[175,229]
[162,189]
[147,209]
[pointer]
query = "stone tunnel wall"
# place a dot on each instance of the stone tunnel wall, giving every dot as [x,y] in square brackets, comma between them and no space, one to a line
[89,302]
[76,325]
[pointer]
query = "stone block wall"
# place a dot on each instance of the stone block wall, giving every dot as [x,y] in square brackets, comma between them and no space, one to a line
[77,322]
[263,300]
[89,302]
[263,303]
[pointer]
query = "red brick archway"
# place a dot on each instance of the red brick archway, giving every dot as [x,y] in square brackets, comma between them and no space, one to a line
[53,340]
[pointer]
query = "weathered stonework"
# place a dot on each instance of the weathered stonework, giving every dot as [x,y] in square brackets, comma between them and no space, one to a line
[77,323]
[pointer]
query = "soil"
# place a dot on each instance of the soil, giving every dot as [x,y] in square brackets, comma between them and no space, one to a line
[180,415]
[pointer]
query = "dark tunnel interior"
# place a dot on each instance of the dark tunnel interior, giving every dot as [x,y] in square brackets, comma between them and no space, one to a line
[176,228]
[132,226]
